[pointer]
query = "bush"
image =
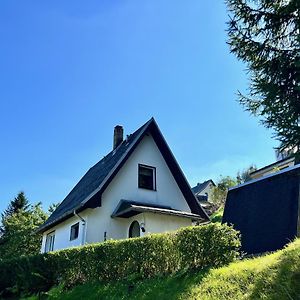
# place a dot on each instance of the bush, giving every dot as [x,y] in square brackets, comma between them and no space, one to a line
[194,248]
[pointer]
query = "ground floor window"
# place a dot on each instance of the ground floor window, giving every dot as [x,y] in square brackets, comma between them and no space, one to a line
[74,231]
[134,229]
[49,245]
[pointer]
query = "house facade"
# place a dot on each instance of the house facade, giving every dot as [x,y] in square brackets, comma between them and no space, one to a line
[137,189]
[203,192]
[279,165]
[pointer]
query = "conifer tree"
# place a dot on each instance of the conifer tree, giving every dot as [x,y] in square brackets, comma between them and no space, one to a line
[265,34]
[19,203]
[18,228]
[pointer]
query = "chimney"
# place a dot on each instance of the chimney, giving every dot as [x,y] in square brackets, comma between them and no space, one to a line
[118,136]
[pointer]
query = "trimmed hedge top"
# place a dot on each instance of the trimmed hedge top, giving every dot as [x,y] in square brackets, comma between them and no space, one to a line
[189,248]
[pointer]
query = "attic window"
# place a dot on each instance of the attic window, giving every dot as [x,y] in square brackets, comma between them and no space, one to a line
[74,231]
[147,177]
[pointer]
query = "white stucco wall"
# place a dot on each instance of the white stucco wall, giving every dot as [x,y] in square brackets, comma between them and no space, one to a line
[208,190]
[62,233]
[155,223]
[125,186]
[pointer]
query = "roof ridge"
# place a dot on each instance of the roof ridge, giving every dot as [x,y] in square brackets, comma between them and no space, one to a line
[94,177]
[99,176]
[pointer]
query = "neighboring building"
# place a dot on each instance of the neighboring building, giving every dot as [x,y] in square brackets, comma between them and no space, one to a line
[266,210]
[203,193]
[203,190]
[138,188]
[274,167]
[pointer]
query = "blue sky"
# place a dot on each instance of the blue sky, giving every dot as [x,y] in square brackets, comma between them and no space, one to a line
[71,71]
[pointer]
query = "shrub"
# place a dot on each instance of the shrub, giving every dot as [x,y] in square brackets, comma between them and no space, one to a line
[157,254]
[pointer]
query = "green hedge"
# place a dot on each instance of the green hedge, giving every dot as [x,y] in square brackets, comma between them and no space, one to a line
[195,248]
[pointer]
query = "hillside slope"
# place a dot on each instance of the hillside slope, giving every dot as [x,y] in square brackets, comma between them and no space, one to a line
[273,276]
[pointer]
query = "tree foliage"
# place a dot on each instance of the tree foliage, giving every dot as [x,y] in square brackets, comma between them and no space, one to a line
[19,203]
[53,207]
[19,222]
[244,175]
[219,192]
[265,34]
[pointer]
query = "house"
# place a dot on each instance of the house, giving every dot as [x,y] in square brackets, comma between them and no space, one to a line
[136,189]
[203,193]
[203,190]
[266,210]
[274,167]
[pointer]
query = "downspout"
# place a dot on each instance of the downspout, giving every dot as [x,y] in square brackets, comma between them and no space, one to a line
[83,237]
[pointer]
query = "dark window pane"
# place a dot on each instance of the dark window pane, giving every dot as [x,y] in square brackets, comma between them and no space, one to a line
[74,231]
[49,245]
[146,177]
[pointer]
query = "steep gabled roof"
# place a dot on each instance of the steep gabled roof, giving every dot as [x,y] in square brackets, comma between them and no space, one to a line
[201,186]
[87,192]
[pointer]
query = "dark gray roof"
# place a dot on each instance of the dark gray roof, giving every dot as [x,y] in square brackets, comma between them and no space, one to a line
[87,192]
[202,197]
[201,186]
[123,207]
[127,209]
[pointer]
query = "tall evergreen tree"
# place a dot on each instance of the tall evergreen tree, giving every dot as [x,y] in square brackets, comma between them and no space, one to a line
[19,203]
[19,237]
[265,34]
[18,224]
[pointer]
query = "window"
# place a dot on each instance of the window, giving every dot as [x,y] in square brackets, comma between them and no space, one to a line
[74,231]
[49,245]
[134,229]
[147,178]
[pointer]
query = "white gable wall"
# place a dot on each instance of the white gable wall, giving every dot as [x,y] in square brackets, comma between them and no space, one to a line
[125,186]
[208,189]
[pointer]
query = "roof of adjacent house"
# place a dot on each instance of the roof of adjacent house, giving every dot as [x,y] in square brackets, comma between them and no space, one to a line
[252,181]
[274,164]
[201,186]
[87,192]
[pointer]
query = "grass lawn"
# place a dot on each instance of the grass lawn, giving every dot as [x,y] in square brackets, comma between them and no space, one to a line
[273,276]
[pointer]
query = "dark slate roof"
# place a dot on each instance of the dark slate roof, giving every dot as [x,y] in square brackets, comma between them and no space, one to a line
[201,186]
[87,192]
[127,209]
[202,197]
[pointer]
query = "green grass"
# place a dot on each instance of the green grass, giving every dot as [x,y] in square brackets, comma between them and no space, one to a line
[274,276]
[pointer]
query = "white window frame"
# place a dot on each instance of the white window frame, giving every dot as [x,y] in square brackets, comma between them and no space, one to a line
[153,170]
[73,230]
[49,244]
